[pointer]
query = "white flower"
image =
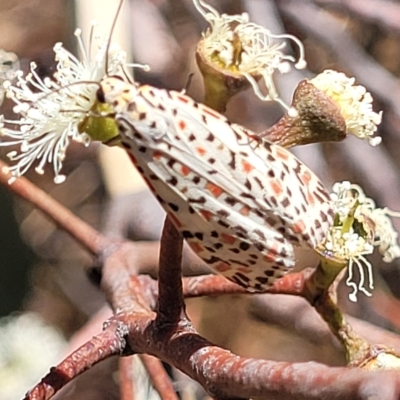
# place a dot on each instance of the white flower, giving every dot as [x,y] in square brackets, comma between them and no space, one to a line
[52,109]
[355,104]
[234,43]
[28,348]
[359,227]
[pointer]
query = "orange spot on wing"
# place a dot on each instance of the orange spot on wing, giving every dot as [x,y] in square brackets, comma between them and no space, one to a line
[276,187]
[305,177]
[247,167]
[215,190]
[298,227]
[244,270]
[271,253]
[274,248]
[281,153]
[211,112]
[222,267]
[206,214]
[310,199]
[196,247]
[182,125]
[201,150]
[157,155]
[270,257]
[185,170]
[174,220]
[182,98]
[245,211]
[227,238]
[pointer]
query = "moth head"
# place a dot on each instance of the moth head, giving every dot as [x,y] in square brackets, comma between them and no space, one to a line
[100,122]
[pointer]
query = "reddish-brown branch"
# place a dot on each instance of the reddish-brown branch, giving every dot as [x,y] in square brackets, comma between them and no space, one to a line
[210,285]
[82,232]
[108,343]
[226,375]
[126,386]
[216,285]
[171,305]
[223,374]
[159,377]
[125,292]
[280,310]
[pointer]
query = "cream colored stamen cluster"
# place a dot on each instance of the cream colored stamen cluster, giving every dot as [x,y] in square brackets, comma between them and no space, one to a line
[355,104]
[51,109]
[260,51]
[359,227]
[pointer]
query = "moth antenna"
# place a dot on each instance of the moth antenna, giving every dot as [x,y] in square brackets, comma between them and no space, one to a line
[112,31]
[67,86]
[91,113]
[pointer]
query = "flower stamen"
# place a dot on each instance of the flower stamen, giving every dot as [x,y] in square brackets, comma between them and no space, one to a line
[238,46]
[52,109]
[354,102]
[359,227]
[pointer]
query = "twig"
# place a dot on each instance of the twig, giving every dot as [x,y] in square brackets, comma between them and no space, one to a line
[183,348]
[357,349]
[222,373]
[215,285]
[127,388]
[226,375]
[159,377]
[210,285]
[124,291]
[82,232]
[171,305]
[108,343]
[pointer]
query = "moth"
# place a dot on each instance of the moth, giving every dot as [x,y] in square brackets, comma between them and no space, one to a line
[241,203]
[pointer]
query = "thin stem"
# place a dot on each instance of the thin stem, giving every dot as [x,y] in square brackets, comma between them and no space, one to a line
[317,291]
[357,349]
[126,386]
[170,298]
[91,239]
[109,342]
[159,377]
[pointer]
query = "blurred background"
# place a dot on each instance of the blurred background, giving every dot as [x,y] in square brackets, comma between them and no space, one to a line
[41,268]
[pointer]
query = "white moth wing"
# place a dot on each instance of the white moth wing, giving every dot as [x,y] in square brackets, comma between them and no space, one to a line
[291,197]
[228,194]
[234,245]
